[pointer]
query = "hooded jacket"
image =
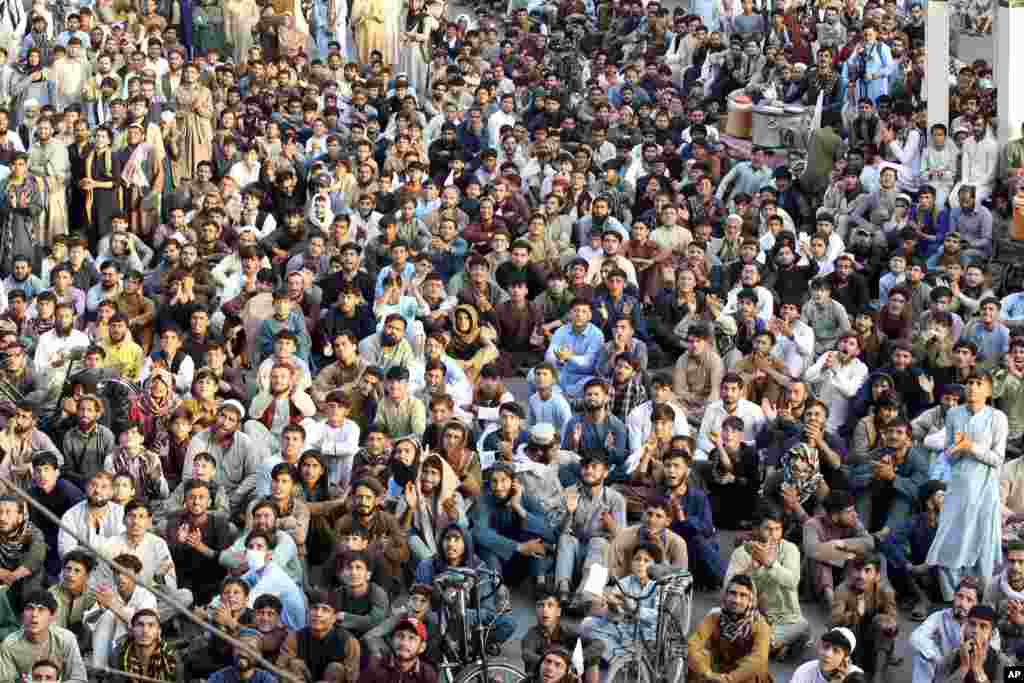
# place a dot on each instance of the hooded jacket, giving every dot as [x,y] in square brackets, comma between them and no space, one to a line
[429,518]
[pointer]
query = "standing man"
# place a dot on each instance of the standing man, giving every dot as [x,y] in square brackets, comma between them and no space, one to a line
[969,538]
[142,180]
[49,160]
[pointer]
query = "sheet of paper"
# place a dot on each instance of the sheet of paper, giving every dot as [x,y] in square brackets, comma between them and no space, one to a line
[597,579]
[487,413]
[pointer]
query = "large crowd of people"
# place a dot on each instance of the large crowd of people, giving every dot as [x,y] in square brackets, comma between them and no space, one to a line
[307,305]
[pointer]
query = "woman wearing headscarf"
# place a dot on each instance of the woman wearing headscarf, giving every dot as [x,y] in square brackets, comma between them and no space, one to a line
[799,489]
[469,346]
[157,405]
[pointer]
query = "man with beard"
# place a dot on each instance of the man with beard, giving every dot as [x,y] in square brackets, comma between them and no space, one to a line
[597,428]
[977,659]
[593,514]
[244,667]
[142,179]
[16,372]
[408,642]
[389,348]
[124,356]
[48,159]
[54,348]
[87,443]
[238,455]
[691,519]
[94,519]
[833,664]
[196,538]
[866,604]
[732,643]
[848,288]
[839,375]
[510,527]
[22,553]
[20,442]
[282,404]
[389,546]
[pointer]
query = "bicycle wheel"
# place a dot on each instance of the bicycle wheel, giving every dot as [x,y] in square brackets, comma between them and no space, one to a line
[629,668]
[498,671]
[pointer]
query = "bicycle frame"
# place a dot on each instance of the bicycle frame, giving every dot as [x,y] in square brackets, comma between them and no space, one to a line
[670,650]
[481,630]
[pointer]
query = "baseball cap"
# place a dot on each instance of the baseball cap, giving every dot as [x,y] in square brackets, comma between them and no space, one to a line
[414,625]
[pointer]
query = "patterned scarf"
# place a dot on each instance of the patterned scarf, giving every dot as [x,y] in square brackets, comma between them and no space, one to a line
[738,628]
[802,452]
[162,665]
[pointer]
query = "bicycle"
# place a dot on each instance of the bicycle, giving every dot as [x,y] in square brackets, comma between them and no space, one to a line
[464,651]
[665,660]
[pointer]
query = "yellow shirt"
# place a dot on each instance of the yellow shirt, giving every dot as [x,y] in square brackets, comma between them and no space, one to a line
[126,358]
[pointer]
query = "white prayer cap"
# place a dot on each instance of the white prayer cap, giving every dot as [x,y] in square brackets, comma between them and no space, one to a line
[234,405]
[734,218]
[31,103]
[167,116]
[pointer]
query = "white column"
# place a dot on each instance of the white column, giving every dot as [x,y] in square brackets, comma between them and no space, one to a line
[937,62]
[1009,66]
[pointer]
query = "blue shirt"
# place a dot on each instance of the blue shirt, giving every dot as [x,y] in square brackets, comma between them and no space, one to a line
[408,273]
[595,436]
[992,345]
[584,346]
[554,411]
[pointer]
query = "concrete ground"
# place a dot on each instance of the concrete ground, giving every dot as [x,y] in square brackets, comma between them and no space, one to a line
[523,611]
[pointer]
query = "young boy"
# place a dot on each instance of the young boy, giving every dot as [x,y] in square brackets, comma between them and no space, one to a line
[124,488]
[143,466]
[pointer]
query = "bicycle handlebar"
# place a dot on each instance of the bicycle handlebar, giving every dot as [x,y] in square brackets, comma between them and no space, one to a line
[656,583]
